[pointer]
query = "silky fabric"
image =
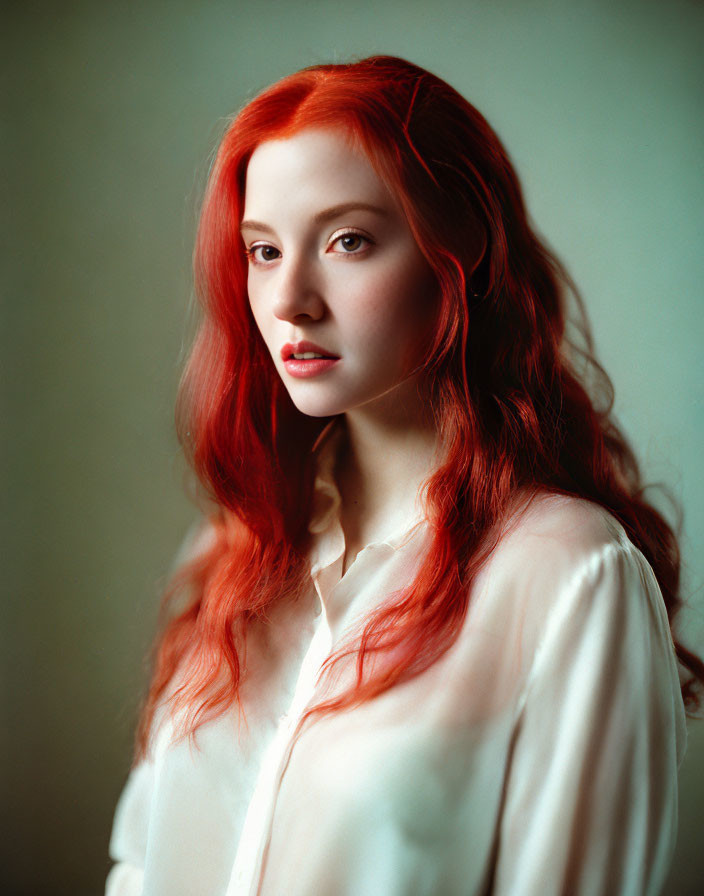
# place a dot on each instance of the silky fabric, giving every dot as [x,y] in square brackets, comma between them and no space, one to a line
[537,756]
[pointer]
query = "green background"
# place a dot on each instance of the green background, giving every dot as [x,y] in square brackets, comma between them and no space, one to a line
[112,112]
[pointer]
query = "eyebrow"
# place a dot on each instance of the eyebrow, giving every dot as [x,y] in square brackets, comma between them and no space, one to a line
[327,214]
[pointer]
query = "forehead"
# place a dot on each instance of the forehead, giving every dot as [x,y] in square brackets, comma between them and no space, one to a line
[311,167]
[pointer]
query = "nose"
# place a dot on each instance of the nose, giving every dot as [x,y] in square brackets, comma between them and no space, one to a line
[297,290]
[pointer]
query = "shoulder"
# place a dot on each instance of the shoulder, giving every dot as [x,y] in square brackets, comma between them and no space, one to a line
[558,557]
[560,529]
[571,597]
[200,537]
[549,537]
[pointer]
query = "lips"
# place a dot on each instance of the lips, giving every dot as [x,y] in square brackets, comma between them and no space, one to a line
[298,348]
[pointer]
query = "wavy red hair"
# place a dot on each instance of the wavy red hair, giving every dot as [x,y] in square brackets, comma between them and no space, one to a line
[509,394]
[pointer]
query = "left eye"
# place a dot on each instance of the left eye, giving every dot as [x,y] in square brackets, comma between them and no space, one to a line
[350,242]
[262,253]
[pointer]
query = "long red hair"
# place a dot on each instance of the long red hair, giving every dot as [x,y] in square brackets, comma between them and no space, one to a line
[517,404]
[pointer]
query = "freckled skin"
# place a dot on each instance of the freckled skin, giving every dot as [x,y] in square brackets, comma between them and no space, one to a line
[356,284]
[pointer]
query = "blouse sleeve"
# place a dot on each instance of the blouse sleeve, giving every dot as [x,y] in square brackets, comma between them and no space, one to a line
[128,842]
[129,838]
[590,805]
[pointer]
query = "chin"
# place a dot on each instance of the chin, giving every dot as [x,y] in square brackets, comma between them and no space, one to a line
[312,408]
[317,413]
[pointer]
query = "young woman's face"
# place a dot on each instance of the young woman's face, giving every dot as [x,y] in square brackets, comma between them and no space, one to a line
[333,262]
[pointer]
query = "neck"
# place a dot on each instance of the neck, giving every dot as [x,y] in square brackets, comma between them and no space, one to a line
[387,454]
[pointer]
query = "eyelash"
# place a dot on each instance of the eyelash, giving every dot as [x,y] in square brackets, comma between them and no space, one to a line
[251,250]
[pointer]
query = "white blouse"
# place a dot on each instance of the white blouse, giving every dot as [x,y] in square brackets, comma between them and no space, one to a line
[538,756]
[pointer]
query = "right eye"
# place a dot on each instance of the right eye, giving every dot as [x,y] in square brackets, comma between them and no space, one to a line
[261,253]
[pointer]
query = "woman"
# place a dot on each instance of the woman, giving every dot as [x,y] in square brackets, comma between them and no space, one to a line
[423,640]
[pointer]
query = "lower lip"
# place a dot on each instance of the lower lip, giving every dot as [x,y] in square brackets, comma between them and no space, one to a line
[312,367]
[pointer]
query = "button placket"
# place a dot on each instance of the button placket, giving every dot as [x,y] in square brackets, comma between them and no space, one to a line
[257,827]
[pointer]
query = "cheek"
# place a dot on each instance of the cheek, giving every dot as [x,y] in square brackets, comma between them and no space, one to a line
[255,306]
[405,307]
[389,328]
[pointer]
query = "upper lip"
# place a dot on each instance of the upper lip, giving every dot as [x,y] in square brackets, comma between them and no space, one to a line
[297,348]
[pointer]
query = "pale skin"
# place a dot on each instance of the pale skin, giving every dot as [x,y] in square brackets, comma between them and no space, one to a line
[353,281]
